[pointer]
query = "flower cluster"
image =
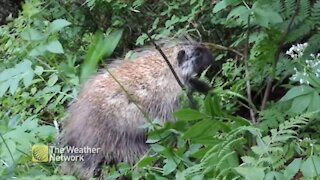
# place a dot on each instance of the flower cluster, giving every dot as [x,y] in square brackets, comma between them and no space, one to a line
[310,67]
[296,51]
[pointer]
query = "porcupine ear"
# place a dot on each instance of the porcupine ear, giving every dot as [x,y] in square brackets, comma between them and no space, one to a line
[181,57]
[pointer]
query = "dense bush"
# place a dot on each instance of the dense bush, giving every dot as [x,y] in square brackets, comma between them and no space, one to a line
[260,121]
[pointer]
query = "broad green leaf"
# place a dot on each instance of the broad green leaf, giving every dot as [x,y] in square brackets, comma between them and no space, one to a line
[240,12]
[32,35]
[292,169]
[157,148]
[311,167]
[202,128]
[55,47]
[261,18]
[301,103]
[315,102]
[169,167]
[4,87]
[273,175]
[58,24]
[223,4]
[46,131]
[38,51]
[189,115]
[297,91]
[28,77]
[14,83]
[251,173]
[99,48]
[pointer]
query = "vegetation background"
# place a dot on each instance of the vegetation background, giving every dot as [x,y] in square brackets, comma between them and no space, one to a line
[260,121]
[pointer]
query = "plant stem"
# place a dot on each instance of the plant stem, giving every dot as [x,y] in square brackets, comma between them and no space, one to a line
[276,59]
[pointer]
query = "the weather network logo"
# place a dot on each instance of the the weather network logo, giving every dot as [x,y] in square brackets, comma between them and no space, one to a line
[40,153]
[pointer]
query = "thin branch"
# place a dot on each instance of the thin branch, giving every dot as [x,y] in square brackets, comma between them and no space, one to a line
[276,59]
[5,143]
[131,98]
[167,61]
[246,60]
[189,95]
[220,47]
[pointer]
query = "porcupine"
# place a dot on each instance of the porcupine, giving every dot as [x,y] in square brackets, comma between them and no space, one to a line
[103,116]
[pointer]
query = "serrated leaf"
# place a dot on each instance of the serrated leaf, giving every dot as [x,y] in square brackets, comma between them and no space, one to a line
[258,150]
[55,47]
[58,24]
[189,115]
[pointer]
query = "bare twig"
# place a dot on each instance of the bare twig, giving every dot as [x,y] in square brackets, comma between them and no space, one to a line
[276,59]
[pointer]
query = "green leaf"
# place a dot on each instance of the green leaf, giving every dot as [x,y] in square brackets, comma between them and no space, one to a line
[157,148]
[251,173]
[189,115]
[32,35]
[58,24]
[169,167]
[297,91]
[55,47]
[292,169]
[311,167]
[39,70]
[38,51]
[201,128]
[301,103]
[99,48]
[52,80]
[28,77]
[4,87]
[240,12]
[273,175]
[314,105]
[223,4]
[146,161]
[13,85]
